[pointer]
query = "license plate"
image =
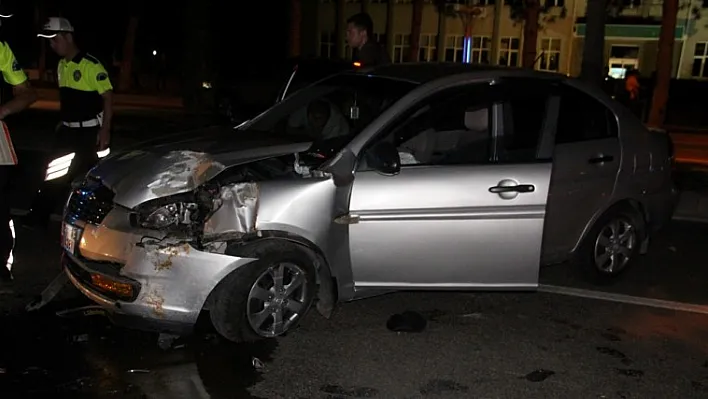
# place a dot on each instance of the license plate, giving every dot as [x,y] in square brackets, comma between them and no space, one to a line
[69,237]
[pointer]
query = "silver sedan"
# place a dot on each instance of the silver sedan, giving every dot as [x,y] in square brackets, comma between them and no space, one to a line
[411,176]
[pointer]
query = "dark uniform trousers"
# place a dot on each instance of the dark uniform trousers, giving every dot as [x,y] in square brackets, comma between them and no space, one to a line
[82,142]
[6,240]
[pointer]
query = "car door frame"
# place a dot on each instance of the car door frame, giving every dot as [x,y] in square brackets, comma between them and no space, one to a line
[343,165]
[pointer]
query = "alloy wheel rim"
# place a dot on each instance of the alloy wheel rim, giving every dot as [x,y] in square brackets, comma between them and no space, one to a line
[614,246]
[277,299]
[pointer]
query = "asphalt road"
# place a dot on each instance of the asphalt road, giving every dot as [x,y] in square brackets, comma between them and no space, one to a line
[480,345]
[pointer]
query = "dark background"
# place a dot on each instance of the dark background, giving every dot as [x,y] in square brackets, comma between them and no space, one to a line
[241,33]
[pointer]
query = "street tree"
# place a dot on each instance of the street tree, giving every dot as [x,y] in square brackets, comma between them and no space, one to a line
[664,63]
[534,14]
[126,64]
[416,26]
[295,27]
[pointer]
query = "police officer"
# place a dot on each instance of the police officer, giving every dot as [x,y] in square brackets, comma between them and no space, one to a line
[23,97]
[86,110]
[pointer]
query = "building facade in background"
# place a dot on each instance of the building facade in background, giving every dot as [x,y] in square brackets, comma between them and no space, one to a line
[632,34]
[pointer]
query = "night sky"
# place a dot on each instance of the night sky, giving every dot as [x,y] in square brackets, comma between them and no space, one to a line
[243,32]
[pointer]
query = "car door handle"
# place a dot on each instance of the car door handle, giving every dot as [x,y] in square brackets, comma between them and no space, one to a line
[521,188]
[601,159]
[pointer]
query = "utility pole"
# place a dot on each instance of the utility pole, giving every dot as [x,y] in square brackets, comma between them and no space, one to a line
[664,63]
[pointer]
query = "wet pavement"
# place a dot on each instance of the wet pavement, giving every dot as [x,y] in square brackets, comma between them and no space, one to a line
[468,344]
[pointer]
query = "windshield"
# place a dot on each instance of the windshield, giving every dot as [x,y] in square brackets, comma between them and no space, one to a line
[333,111]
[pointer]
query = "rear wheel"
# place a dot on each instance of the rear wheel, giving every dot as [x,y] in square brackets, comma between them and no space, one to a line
[265,299]
[612,245]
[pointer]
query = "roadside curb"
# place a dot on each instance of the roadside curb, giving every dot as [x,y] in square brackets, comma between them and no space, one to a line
[622,298]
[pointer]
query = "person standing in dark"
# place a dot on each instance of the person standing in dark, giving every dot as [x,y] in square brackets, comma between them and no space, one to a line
[86,112]
[23,96]
[360,36]
[631,92]
[609,83]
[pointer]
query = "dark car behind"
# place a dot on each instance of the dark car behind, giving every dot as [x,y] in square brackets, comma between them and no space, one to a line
[240,99]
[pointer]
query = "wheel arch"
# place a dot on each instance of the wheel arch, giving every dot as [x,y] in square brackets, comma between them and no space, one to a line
[255,245]
[624,204]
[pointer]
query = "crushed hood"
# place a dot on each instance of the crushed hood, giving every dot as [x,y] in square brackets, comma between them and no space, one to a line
[183,162]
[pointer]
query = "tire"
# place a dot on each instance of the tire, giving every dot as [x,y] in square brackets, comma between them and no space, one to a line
[237,297]
[619,232]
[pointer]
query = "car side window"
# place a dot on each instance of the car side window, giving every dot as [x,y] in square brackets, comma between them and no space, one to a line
[455,127]
[525,103]
[449,128]
[581,117]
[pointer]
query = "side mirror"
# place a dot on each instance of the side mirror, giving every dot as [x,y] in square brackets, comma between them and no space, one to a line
[384,158]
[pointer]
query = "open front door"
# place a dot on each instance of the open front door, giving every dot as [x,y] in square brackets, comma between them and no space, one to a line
[467,209]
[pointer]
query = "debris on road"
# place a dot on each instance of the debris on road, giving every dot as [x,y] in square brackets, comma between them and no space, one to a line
[440,387]
[91,310]
[80,338]
[630,372]
[539,375]
[257,363]
[166,341]
[49,293]
[138,371]
[407,321]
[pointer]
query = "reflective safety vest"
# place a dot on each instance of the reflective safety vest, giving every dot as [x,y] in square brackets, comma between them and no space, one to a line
[82,81]
[13,74]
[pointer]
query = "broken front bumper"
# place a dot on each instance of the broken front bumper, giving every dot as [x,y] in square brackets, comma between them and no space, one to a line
[160,287]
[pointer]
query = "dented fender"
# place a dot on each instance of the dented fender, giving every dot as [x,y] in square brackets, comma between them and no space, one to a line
[176,280]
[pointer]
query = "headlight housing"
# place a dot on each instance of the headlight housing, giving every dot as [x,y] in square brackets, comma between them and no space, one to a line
[183,212]
[169,215]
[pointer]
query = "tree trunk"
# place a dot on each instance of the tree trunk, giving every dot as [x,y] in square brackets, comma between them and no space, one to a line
[416,26]
[126,65]
[594,48]
[442,28]
[531,14]
[295,27]
[664,63]
[496,31]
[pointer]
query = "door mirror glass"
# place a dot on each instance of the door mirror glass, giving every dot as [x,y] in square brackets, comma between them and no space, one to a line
[384,158]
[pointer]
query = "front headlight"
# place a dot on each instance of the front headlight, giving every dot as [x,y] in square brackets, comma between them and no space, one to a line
[179,213]
[166,216]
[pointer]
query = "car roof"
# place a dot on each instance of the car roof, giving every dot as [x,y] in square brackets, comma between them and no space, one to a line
[321,62]
[424,72]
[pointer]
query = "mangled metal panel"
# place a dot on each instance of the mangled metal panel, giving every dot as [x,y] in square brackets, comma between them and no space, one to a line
[187,170]
[237,210]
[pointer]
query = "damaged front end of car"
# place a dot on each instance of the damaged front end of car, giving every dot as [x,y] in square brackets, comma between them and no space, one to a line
[158,264]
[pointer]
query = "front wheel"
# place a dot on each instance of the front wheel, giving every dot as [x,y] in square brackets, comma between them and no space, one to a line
[612,245]
[265,299]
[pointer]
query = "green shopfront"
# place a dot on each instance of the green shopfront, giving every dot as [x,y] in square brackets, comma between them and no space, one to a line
[634,46]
